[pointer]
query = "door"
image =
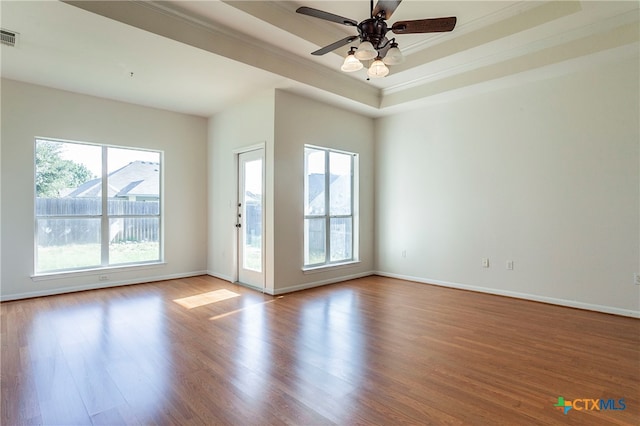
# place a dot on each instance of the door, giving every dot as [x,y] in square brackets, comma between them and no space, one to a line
[250,218]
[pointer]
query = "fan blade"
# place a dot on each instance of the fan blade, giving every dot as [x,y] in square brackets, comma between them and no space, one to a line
[309,11]
[386,6]
[334,46]
[434,25]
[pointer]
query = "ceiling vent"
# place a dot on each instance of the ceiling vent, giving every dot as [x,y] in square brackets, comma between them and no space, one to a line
[8,37]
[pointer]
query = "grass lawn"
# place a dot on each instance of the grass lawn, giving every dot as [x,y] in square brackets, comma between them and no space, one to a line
[88,255]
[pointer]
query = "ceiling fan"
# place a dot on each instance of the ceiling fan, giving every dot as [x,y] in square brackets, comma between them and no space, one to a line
[372,33]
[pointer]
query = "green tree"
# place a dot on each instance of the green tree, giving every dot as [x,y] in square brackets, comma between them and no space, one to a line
[53,173]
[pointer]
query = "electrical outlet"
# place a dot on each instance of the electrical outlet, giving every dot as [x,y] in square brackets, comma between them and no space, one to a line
[103,278]
[636,278]
[510,265]
[404,253]
[485,262]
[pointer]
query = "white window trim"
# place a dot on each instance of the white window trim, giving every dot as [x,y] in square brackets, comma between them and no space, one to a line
[355,223]
[336,265]
[79,272]
[45,276]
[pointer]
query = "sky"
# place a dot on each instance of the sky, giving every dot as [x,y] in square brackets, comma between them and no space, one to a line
[89,156]
[340,163]
[253,176]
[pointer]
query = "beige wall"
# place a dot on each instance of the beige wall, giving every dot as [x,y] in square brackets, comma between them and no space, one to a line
[242,126]
[545,174]
[29,111]
[284,123]
[301,121]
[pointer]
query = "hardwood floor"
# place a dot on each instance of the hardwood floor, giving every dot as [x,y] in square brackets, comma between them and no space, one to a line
[374,351]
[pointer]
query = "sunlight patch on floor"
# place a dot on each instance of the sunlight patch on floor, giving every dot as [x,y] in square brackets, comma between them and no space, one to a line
[255,305]
[206,298]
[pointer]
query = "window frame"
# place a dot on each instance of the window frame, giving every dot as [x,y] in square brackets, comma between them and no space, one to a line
[327,216]
[104,216]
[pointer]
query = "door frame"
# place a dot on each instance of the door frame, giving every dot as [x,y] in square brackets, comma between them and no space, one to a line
[236,238]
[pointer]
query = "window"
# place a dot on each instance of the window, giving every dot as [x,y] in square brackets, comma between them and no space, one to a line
[329,201]
[95,206]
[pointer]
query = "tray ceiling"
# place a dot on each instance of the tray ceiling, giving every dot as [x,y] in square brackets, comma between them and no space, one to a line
[199,56]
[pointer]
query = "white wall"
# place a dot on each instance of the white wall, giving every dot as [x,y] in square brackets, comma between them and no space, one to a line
[300,121]
[545,174]
[243,125]
[29,111]
[284,123]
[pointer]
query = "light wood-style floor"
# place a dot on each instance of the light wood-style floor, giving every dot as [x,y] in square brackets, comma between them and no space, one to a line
[373,351]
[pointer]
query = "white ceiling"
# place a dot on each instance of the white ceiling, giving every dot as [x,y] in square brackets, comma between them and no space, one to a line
[197,57]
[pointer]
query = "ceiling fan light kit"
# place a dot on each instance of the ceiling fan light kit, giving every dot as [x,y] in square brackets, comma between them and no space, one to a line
[377,69]
[366,51]
[372,34]
[394,56]
[351,63]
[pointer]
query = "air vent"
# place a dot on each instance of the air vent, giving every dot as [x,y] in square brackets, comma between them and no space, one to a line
[8,37]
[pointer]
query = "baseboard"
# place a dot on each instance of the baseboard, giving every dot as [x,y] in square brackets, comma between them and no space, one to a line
[229,279]
[221,276]
[253,287]
[517,295]
[52,292]
[306,286]
[293,288]
[279,291]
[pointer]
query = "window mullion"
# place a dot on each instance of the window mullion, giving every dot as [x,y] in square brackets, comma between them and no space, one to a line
[104,223]
[352,213]
[327,207]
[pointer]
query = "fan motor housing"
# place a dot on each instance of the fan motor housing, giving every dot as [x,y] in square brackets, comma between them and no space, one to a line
[373,30]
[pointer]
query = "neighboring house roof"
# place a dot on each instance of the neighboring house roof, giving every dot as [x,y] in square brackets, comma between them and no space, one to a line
[138,178]
[340,190]
[251,197]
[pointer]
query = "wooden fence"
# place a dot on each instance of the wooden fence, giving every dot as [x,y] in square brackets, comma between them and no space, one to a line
[63,221]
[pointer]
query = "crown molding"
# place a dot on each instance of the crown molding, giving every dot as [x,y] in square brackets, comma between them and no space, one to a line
[598,27]
[471,43]
[159,19]
[621,40]
[500,15]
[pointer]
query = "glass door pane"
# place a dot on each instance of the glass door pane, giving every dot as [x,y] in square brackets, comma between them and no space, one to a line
[250,222]
[252,216]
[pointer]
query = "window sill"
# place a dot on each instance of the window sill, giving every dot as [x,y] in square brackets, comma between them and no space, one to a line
[96,271]
[331,266]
